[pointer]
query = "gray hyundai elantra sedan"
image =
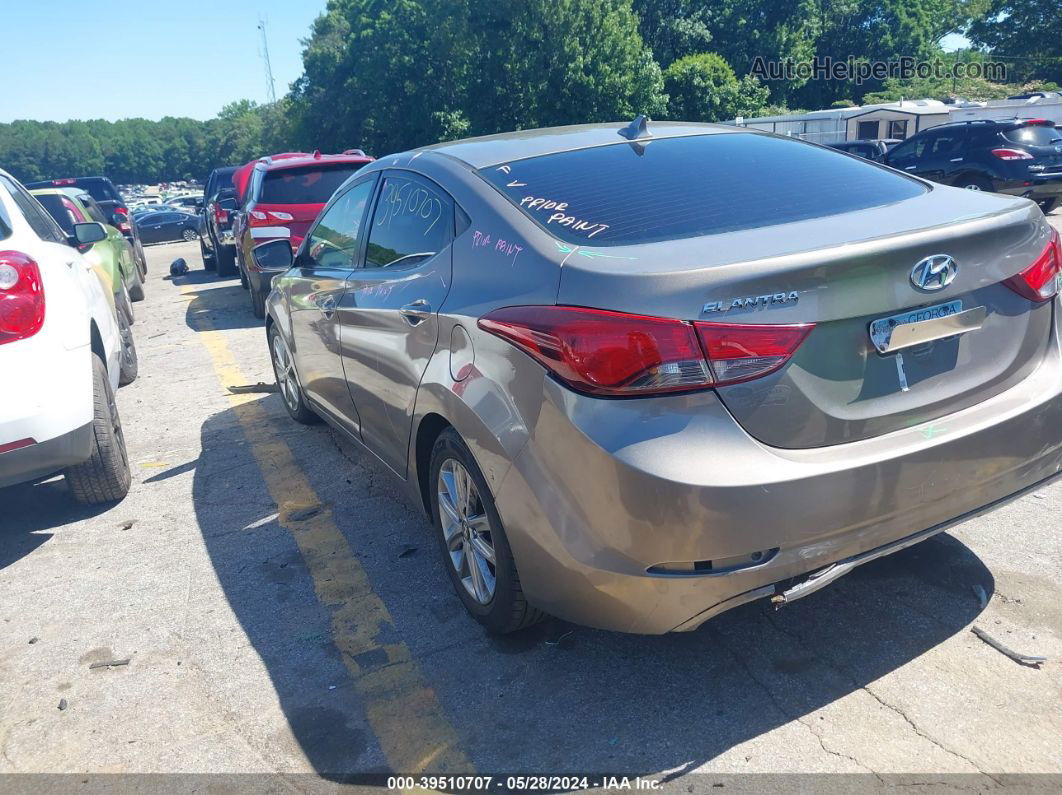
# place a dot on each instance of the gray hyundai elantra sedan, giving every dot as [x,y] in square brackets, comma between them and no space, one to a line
[641,374]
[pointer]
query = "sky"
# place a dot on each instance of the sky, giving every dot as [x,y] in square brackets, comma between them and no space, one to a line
[93,59]
[101,59]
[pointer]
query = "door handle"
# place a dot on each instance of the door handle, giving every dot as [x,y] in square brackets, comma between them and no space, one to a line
[910,168]
[415,312]
[956,160]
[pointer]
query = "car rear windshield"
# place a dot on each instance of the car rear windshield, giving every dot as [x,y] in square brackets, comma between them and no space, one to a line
[1034,135]
[304,184]
[99,189]
[54,205]
[673,188]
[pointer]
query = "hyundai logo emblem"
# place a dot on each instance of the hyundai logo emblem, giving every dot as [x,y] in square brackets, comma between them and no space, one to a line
[934,273]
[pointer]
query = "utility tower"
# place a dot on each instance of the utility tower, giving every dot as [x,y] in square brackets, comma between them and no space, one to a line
[270,86]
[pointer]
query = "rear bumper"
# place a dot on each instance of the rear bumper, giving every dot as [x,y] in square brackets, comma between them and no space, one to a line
[605,490]
[46,458]
[1035,186]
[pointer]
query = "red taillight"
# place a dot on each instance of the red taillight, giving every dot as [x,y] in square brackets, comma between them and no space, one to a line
[743,352]
[21,297]
[1012,154]
[613,353]
[64,181]
[267,217]
[122,210]
[221,215]
[1039,282]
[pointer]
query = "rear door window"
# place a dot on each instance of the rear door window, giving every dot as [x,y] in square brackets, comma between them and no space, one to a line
[305,184]
[412,223]
[629,193]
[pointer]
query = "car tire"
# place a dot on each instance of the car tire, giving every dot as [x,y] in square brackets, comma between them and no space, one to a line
[208,257]
[226,262]
[257,303]
[136,292]
[1047,205]
[504,609]
[287,377]
[105,476]
[128,362]
[973,182]
[141,258]
[188,235]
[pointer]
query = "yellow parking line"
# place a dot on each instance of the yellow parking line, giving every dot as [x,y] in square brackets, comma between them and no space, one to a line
[401,708]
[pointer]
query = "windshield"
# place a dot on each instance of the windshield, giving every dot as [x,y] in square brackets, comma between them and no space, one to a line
[305,184]
[686,187]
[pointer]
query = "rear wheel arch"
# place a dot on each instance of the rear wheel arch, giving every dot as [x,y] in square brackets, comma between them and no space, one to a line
[429,430]
[96,341]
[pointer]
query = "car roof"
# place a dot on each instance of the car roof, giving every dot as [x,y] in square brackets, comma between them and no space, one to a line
[493,150]
[1013,122]
[301,159]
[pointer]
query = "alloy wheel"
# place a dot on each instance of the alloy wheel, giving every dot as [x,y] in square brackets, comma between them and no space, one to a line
[466,531]
[189,235]
[285,372]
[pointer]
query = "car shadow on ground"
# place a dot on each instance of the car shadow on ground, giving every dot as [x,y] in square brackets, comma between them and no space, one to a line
[553,698]
[219,305]
[32,510]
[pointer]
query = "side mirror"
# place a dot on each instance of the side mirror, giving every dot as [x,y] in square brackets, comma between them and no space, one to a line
[227,204]
[87,234]
[276,255]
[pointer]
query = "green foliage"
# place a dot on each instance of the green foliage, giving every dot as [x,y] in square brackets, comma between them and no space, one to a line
[138,150]
[704,88]
[389,76]
[1025,34]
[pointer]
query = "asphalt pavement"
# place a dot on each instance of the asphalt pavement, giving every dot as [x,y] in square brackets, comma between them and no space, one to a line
[267,601]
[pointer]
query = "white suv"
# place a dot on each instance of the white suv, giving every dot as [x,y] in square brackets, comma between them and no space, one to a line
[60,351]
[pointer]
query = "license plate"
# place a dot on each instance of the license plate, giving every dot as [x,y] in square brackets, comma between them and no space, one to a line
[882,329]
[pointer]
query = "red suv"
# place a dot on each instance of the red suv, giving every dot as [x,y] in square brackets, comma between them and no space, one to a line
[283,197]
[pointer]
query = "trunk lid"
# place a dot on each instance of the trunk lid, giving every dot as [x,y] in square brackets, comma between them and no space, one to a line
[842,273]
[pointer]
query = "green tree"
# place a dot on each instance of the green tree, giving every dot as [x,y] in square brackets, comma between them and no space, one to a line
[388,76]
[1025,34]
[704,88]
[564,62]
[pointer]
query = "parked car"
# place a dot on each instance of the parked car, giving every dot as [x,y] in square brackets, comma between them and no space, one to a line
[110,200]
[166,226]
[60,353]
[635,384]
[869,148]
[187,204]
[284,196]
[1020,157]
[112,258]
[215,224]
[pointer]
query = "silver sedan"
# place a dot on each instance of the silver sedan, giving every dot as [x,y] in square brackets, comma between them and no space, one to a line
[641,374]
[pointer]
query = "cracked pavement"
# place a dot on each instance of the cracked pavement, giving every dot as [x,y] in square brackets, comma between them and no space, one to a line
[236,665]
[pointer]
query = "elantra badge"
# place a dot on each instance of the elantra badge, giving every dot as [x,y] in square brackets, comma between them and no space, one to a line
[934,273]
[752,302]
